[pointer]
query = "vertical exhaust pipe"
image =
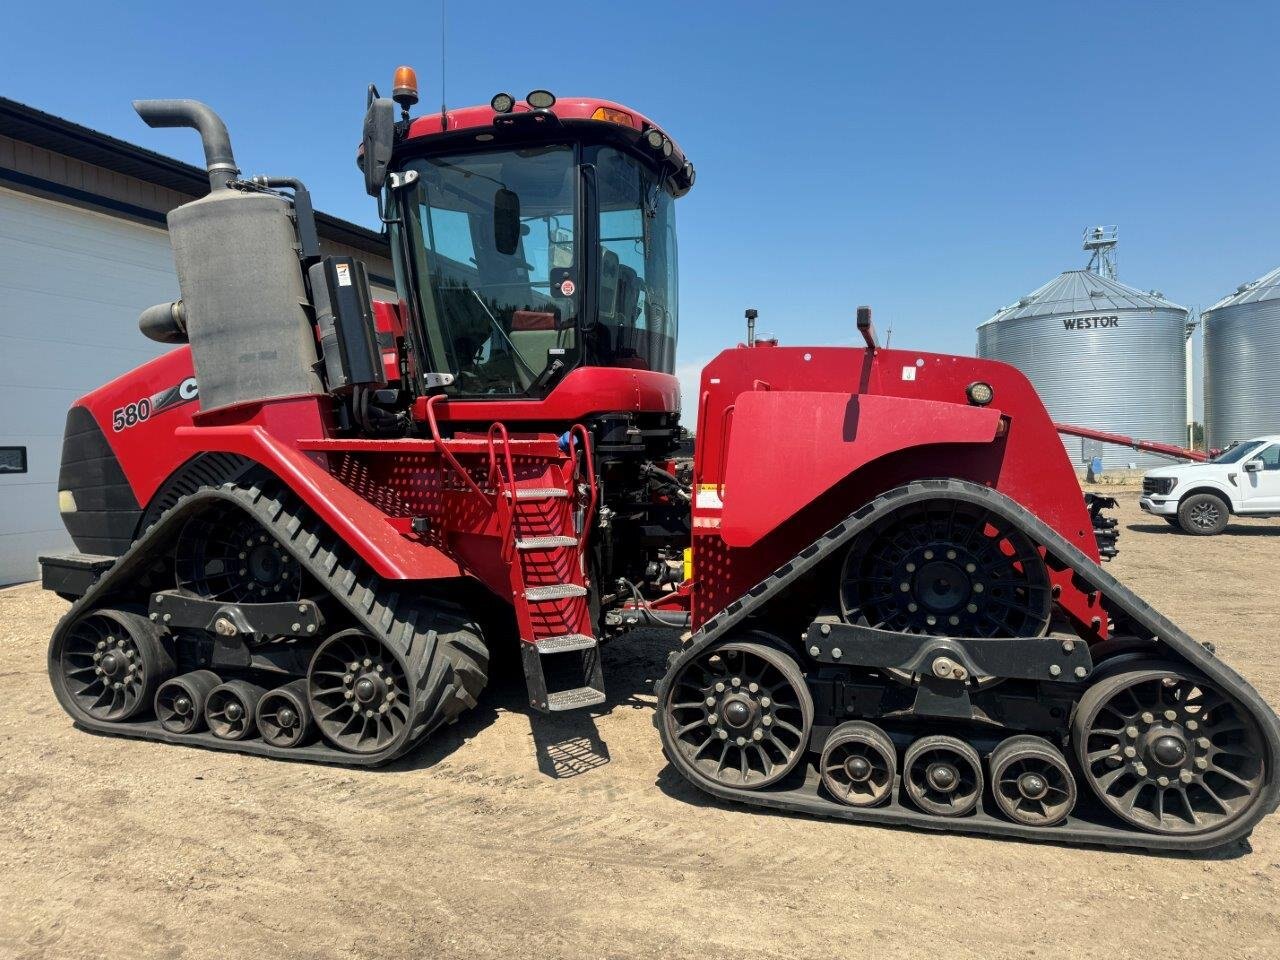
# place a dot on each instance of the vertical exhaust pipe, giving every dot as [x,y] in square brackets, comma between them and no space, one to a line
[219,160]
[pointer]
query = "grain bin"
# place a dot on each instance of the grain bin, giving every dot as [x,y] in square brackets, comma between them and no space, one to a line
[1242,363]
[1102,355]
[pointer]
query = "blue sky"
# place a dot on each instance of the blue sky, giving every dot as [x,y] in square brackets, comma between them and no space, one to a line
[935,160]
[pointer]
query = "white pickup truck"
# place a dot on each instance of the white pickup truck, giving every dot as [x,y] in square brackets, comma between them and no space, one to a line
[1200,498]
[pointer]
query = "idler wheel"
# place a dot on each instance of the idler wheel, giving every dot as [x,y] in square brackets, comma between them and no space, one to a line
[1166,750]
[943,776]
[231,709]
[108,664]
[1031,782]
[284,715]
[739,715]
[858,764]
[359,693]
[180,702]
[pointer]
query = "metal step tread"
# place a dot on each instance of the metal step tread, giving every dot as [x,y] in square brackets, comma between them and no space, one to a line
[554,591]
[574,699]
[565,643]
[545,543]
[538,493]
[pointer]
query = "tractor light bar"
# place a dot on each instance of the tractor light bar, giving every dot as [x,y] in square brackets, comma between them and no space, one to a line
[503,103]
[612,115]
[540,99]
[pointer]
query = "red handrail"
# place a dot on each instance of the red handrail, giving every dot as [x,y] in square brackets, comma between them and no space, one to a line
[448,454]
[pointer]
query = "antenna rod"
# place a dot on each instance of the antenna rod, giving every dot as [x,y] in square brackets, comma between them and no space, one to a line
[444,115]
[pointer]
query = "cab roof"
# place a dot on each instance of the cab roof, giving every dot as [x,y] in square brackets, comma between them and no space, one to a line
[569,112]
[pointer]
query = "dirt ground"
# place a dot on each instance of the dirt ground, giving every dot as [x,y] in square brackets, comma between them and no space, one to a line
[510,836]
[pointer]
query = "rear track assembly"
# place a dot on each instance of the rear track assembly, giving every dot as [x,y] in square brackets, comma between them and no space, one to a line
[1170,748]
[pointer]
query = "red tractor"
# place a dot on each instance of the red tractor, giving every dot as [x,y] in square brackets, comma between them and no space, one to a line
[303,530]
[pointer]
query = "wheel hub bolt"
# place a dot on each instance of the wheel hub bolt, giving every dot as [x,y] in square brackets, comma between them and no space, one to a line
[1185,776]
[1162,780]
[1171,714]
[757,734]
[711,701]
[1032,786]
[1204,743]
[942,776]
[1169,750]
[767,721]
[720,687]
[1130,752]
[234,711]
[1192,725]
[724,734]
[754,687]
[1140,769]
[1132,732]
[1148,717]
[1202,763]
[102,644]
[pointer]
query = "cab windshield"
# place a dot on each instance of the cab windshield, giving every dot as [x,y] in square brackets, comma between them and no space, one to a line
[495,264]
[493,249]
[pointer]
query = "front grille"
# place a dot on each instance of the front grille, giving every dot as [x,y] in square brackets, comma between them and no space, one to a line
[1158,485]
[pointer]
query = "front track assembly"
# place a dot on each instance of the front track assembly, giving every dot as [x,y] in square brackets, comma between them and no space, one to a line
[238,621]
[1010,729]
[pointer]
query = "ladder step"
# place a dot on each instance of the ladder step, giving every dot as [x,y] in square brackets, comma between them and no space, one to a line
[545,543]
[554,591]
[565,644]
[538,493]
[574,699]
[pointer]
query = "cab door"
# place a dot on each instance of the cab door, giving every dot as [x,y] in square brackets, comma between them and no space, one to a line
[1260,488]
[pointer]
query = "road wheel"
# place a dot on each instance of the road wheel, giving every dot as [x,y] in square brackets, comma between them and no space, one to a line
[1203,515]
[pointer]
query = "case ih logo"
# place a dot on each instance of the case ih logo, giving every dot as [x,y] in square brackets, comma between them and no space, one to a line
[1090,323]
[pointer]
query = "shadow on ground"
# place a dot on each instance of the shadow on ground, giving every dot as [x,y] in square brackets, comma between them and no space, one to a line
[1236,530]
[566,744]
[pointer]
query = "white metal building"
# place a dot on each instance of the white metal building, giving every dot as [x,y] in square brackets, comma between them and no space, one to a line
[83,250]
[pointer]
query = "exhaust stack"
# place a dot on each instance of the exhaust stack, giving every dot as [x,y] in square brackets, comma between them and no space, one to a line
[218,158]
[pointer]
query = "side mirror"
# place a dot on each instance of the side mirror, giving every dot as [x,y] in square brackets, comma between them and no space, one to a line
[1253,466]
[379,138]
[506,221]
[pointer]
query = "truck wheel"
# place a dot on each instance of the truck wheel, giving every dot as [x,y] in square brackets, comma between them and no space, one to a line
[1203,515]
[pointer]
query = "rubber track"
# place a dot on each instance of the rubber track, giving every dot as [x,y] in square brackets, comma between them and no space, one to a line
[807,799]
[441,648]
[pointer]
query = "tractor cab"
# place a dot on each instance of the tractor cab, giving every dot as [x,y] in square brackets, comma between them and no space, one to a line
[531,238]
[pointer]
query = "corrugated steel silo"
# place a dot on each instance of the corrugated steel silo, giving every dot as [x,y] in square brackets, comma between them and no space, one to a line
[1242,363]
[1102,355]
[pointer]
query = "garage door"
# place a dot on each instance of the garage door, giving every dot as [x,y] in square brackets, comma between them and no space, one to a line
[72,284]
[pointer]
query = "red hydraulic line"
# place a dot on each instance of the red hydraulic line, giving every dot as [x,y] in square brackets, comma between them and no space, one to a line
[1148,446]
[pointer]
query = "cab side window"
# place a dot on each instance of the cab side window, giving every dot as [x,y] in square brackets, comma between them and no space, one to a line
[1270,457]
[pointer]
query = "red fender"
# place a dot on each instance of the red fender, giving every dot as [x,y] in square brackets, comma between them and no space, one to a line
[825,437]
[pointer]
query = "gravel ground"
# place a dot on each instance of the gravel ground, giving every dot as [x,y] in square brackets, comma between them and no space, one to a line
[513,836]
